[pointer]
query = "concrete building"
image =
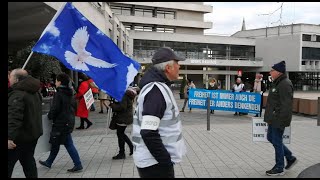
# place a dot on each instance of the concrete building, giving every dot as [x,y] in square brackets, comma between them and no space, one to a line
[297,44]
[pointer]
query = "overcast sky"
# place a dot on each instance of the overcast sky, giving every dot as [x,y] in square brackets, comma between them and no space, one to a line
[227,16]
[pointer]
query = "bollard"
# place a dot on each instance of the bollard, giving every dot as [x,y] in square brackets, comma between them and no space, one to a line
[208,113]
[318,123]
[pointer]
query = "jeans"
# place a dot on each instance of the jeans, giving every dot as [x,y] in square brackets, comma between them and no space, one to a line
[156,171]
[122,139]
[24,152]
[72,151]
[274,136]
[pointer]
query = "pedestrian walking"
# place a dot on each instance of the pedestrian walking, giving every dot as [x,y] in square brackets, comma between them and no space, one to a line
[278,115]
[24,121]
[189,85]
[123,116]
[157,129]
[62,114]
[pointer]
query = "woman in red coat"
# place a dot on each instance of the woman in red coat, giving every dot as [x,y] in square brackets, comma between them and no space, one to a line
[82,110]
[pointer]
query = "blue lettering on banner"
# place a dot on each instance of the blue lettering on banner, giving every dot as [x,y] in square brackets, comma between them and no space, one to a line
[246,102]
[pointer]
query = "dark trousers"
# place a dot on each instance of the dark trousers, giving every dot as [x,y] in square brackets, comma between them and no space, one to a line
[122,139]
[72,151]
[156,171]
[274,136]
[24,152]
[82,120]
[185,103]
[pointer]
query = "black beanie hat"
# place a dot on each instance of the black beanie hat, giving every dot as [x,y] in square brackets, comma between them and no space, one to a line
[280,67]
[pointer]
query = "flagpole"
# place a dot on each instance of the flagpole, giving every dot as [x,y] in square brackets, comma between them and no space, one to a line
[27,60]
[52,20]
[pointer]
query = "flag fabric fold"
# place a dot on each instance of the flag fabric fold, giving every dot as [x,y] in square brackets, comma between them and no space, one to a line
[82,47]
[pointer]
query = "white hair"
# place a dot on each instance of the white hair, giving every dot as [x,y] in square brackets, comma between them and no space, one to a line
[162,66]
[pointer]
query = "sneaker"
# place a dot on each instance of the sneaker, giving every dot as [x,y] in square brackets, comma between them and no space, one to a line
[75,169]
[44,163]
[182,111]
[119,156]
[291,163]
[101,112]
[275,172]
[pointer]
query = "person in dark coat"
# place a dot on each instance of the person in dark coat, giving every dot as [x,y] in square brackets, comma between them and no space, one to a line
[278,115]
[24,121]
[123,116]
[62,115]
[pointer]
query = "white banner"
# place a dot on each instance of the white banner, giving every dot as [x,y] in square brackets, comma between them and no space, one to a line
[88,98]
[260,130]
[43,144]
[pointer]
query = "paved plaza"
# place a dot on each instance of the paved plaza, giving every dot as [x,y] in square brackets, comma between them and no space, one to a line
[226,151]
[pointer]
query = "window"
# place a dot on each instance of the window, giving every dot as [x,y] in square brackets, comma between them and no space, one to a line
[121,10]
[143,28]
[310,53]
[306,37]
[143,12]
[318,38]
[164,29]
[165,14]
[303,62]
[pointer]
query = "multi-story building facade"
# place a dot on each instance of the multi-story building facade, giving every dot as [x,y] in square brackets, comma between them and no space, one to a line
[297,44]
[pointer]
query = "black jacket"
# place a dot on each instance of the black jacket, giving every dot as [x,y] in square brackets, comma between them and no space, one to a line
[62,110]
[155,105]
[123,111]
[25,111]
[278,111]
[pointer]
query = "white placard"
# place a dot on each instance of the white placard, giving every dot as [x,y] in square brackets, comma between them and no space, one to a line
[260,130]
[88,98]
[43,144]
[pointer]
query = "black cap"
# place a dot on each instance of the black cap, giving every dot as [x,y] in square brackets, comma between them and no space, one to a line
[165,54]
[280,67]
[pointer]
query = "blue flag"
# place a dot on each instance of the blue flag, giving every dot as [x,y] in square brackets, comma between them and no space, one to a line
[81,46]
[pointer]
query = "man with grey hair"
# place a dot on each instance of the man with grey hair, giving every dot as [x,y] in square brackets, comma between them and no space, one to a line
[24,121]
[157,131]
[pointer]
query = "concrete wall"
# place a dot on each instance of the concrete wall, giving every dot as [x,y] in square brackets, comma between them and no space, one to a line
[189,15]
[275,49]
[165,22]
[193,31]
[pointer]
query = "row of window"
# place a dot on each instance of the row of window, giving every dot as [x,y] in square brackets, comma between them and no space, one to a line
[150,28]
[308,37]
[146,48]
[131,11]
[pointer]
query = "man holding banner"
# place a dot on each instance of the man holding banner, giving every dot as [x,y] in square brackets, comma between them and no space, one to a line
[278,115]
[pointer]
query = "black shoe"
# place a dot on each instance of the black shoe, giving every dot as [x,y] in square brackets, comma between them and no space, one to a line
[256,115]
[88,125]
[44,163]
[119,156]
[275,172]
[235,114]
[182,111]
[101,112]
[75,169]
[291,163]
[80,127]
[131,151]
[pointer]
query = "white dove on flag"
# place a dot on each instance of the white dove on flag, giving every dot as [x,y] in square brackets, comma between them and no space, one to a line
[82,58]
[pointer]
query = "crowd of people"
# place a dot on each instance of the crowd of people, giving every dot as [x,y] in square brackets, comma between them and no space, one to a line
[156,141]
